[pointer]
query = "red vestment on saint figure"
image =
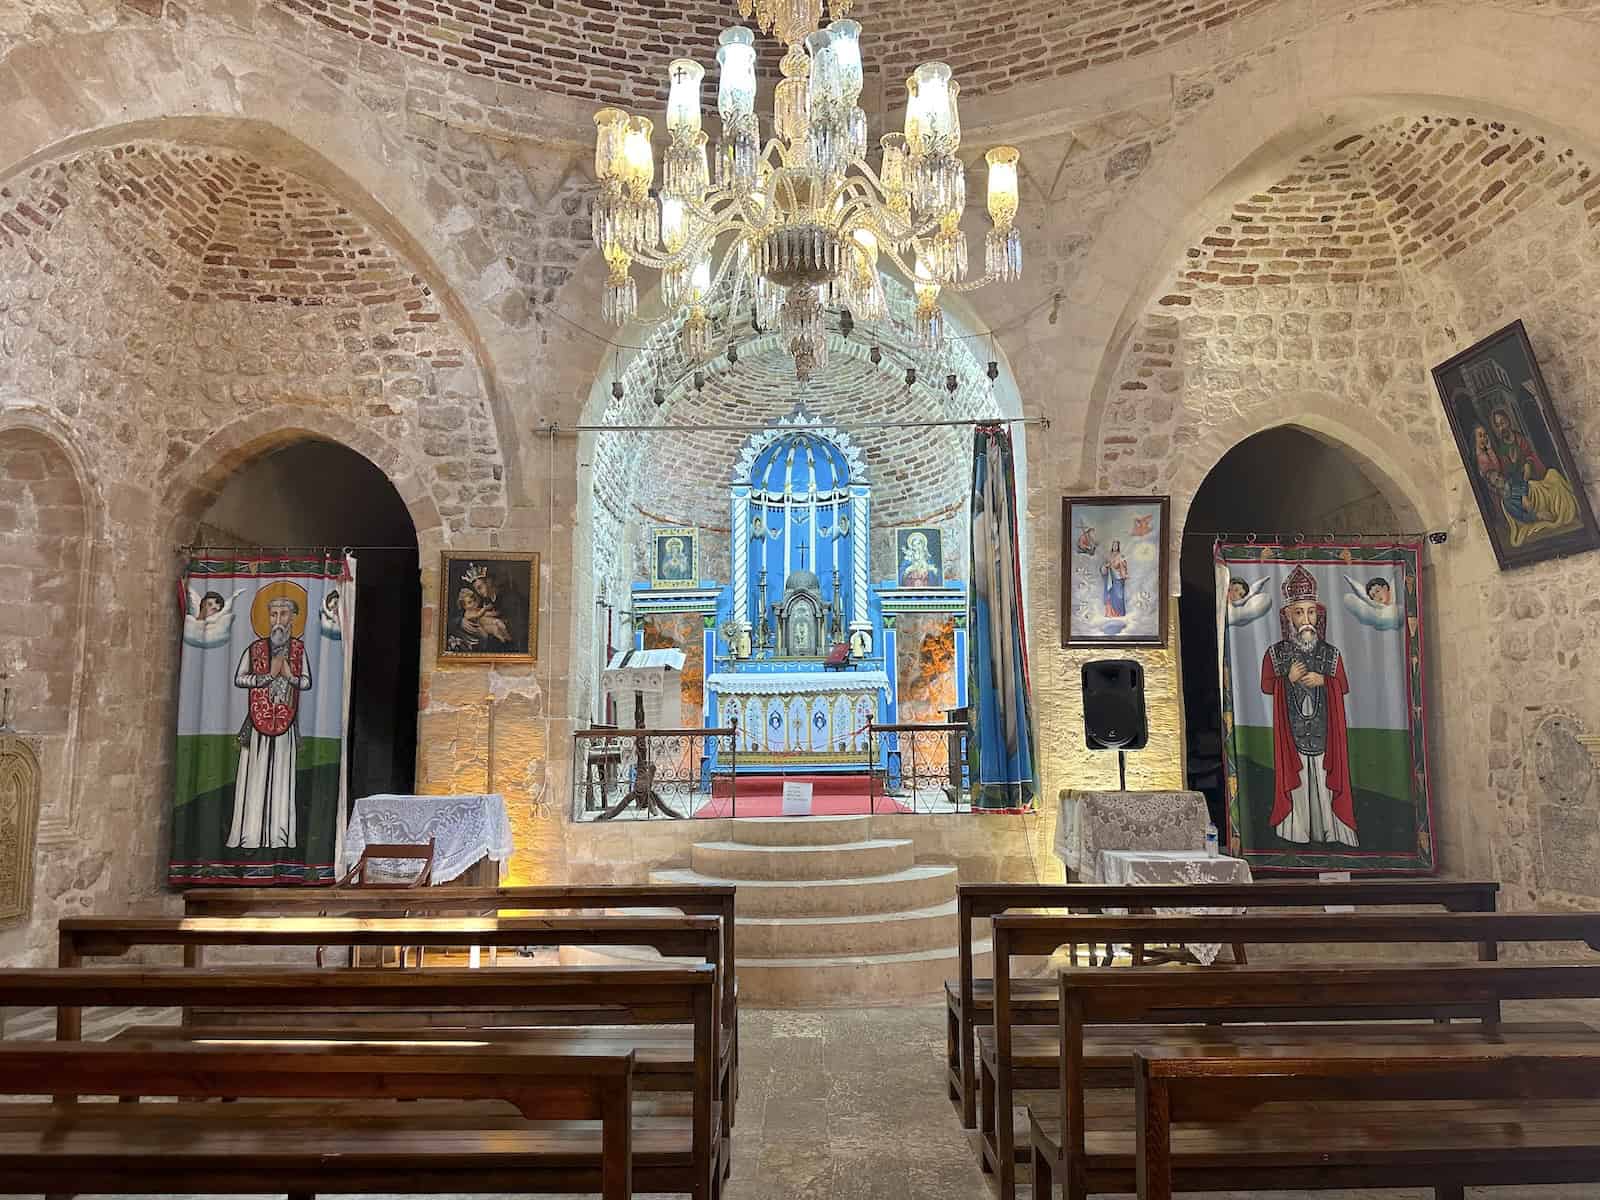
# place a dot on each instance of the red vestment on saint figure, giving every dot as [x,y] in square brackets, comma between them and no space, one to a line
[1286,757]
[268,718]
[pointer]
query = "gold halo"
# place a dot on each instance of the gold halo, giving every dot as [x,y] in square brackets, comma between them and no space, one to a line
[279,590]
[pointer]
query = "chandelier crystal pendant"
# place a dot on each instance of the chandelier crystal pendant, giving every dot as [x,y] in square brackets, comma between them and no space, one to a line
[799,223]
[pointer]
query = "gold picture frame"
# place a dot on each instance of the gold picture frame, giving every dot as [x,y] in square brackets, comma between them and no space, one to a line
[488,606]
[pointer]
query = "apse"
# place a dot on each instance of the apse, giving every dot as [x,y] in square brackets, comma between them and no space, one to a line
[800,519]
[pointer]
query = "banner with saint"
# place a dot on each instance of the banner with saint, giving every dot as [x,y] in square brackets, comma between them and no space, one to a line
[1322,706]
[262,711]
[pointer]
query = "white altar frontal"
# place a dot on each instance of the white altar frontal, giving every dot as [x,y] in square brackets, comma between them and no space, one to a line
[804,717]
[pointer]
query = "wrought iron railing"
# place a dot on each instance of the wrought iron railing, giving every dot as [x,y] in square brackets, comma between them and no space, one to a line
[922,768]
[646,773]
[671,774]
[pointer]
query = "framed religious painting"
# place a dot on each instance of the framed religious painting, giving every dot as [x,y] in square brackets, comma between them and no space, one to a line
[1114,569]
[674,558]
[1324,713]
[1527,487]
[489,606]
[920,555]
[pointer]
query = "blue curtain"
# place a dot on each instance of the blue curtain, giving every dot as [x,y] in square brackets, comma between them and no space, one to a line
[999,703]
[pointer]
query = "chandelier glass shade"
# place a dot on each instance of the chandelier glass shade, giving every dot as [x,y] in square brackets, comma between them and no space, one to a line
[796,225]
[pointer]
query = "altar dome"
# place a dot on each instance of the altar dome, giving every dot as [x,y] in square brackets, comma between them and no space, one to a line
[797,462]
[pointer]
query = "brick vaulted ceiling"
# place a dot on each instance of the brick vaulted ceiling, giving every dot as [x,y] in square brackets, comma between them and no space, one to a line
[215,225]
[617,51]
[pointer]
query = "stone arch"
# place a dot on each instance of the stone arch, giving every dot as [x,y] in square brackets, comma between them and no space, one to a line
[1416,507]
[295,120]
[1313,88]
[197,482]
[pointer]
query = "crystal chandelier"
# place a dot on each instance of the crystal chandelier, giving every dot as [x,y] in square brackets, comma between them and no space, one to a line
[799,223]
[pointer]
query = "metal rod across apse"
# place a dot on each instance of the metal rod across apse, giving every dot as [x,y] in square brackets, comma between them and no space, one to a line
[554,428]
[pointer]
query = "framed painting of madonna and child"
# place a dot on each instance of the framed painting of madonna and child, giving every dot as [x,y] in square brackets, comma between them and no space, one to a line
[1522,474]
[489,604]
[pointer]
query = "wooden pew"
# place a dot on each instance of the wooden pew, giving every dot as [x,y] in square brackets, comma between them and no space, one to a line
[969,1001]
[668,1060]
[1090,1145]
[674,995]
[1015,1056]
[272,1140]
[1400,1122]
[708,900]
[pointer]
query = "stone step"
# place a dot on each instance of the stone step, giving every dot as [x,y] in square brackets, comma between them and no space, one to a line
[863,933]
[851,979]
[802,831]
[852,860]
[914,887]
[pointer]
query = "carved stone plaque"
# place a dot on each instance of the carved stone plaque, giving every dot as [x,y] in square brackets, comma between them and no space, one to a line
[1561,762]
[19,826]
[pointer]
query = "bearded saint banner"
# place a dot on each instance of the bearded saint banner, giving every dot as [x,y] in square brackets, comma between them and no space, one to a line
[263,681]
[1322,705]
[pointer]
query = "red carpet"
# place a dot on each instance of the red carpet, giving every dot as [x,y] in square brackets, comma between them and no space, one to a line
[831,796]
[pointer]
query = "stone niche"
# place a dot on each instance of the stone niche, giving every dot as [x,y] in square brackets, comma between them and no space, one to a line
[19,826]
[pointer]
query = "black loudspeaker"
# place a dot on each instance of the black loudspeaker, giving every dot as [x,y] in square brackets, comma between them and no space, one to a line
[1113,705]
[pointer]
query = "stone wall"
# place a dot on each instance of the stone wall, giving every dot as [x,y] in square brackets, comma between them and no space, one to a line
[140,133]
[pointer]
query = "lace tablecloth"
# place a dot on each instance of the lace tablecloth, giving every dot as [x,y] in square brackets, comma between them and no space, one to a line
[1176,866]
[1091,823]
[464,828]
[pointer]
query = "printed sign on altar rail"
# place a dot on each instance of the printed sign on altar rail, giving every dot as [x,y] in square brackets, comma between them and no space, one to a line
[1323,712]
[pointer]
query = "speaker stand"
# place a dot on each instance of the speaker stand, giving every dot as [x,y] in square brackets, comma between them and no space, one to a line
[1122,770]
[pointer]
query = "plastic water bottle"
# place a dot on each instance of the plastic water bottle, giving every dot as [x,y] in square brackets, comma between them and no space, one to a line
[1211,840]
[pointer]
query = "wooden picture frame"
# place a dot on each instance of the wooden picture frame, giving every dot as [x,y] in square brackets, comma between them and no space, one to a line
[1530,496]
[488,607]
[674,557]
[1115,555]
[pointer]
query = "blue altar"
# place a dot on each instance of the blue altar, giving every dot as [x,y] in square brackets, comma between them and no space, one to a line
[800,646]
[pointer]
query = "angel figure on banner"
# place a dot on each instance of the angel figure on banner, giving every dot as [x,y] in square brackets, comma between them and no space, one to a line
[209,619]
[1247,601]
[1373,603]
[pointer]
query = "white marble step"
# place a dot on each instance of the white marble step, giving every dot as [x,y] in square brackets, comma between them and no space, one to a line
[802,831]
[855,934]
[914,887]
[853,860]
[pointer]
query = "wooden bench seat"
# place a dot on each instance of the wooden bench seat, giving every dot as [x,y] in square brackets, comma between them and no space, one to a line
[690,937]
[1109,1052]
[697,900]
[1299,1136]
[1120,1005]
[1209,1124]
[965,1010]
[673,996]
[1017,935]
[309,1119]
[663,1055]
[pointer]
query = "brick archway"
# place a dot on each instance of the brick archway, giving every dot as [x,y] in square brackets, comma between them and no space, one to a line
[1331,79]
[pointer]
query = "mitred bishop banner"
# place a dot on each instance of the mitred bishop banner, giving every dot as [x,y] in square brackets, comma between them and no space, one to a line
[1323,711]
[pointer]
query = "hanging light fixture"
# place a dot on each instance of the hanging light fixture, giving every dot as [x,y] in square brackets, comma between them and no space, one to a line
[796,225]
